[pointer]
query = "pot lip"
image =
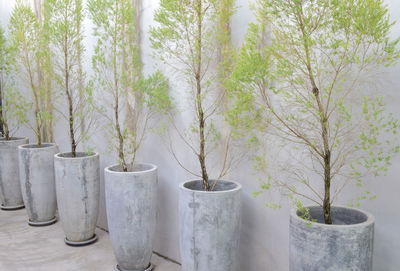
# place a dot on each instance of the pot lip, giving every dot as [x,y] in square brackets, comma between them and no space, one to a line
[237,188]
[153,168]
[13,139]
[370,218]
[92,155]
[45,145]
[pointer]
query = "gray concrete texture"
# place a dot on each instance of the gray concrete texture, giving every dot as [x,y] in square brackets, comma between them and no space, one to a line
[78,189]
[347,244]
[131,200]
[264,237]
[36,168]
[10,189]
[209,224]
[26,248]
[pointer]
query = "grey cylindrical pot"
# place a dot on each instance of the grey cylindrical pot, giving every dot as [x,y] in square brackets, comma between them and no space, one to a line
[10,188]
[347,244]
[36,169]
[209,226]
[78,190]
[131,200]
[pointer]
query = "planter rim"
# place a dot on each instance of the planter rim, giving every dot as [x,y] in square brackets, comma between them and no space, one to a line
[92,155]
[139,172]
[34,146]
[13,139]
[370,218]
[237,188]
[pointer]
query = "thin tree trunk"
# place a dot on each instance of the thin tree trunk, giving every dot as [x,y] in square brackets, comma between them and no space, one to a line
[323,120]
[202,156]
[327,198]
[121,152]
[3,124]
[1,108]
[48,129]
[70,101]
[40,80]
[36,102]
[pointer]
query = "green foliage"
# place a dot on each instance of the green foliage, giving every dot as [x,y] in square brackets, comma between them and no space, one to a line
[64,22]
[302,71]
[186,39]
[13,108]
[27,39]
[118,77]
[155,88]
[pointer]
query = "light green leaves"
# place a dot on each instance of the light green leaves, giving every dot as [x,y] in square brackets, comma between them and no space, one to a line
[28,43]
[298,49]
[130,99]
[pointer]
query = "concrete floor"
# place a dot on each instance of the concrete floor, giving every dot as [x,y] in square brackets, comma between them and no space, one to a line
[26,248]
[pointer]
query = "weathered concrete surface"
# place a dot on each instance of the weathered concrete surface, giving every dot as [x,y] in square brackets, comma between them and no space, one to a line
[131,201]
[78,190]
[25,248]
[10,188]
[36,169]
[347,244]
[209,224]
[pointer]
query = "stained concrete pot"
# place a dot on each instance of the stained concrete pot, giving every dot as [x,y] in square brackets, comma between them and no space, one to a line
[347,244]
[131,200]
[10,188]
[209,226]
[36,170]
[78,190]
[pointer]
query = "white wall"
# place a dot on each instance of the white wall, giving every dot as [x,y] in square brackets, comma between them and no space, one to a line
[264,239]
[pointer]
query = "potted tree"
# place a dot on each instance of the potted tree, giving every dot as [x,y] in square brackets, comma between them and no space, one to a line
[209,207]
[130,103]
[36,161]
[77,173]
[12,115]
[310,82]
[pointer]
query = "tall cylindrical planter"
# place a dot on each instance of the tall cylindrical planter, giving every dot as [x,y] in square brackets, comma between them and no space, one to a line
[131,200]
[209,224]
[347,244]
[10,188]
[78,189]
[36,169]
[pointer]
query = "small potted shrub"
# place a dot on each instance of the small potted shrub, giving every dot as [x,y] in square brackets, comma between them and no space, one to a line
[187,39]
[36,162]
[305,71]
[77,173]
[12,115]
[130,103]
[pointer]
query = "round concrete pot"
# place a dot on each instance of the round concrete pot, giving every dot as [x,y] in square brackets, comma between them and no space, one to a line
[347,244]
[36,170]
[209,226]
[10,188]
[131,200]
[78,189]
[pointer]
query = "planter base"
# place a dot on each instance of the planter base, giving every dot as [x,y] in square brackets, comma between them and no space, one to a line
[43,223]
[12,208]
[116,268]
[81,243]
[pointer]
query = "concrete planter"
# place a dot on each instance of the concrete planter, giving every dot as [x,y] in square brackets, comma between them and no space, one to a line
[131,200]
[209,226]
[78,189]
[10,188]
[347,244]
[36,170]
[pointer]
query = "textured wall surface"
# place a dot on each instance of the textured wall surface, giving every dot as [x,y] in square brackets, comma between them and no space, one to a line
[265,233]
